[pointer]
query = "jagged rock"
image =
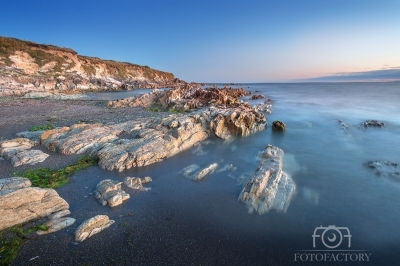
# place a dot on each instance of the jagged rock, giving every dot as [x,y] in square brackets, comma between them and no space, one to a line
[208,170]
[27,204]
[92,226]
[372,123]
[385,168]
[137,183]
[110,191]
[56,224]
[278,125]
[264,107]
[269,187]
[152,140]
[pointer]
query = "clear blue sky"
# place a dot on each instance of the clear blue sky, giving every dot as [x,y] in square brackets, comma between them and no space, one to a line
[219,41]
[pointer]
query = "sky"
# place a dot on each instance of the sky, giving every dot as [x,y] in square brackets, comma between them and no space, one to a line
[223,40]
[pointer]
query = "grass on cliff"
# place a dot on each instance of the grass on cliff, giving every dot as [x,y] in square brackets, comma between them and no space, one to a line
[11,240]
[42,127]
[49,178]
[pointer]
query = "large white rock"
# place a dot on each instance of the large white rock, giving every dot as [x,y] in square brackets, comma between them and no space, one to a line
[110,191]
[269,187]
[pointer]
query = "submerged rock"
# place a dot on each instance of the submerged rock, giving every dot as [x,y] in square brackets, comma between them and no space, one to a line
[269,187]
[110,192]
[137,183]
[206,171]
[92,226]
[28,204]
[385,168]
[278,125]
[343,125]
[372,123]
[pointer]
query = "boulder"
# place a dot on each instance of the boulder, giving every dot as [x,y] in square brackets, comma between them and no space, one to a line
[278,125]
[92,226]
[28,204]
[137,183]
[17,151]
[269,187]
[56,224]
[110,191]
[206,171]
[8,185]
[257,96]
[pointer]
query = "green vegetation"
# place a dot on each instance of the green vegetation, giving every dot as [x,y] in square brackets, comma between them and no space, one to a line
[155,108]
[12,239]
[42,127]
[48,178]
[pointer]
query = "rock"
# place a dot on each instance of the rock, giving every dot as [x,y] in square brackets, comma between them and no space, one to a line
[110,191]
[189,170]
[343,125]
[33,136]
[264,107]
[13,183]
[137,183]
[372,123]
[228,167]
[385,168]
[92,226]
[27,204]
[208,170]
[278,125]
[269,187]
[59,214]
[56,224]
[152,140]
[257,96]
[17,151]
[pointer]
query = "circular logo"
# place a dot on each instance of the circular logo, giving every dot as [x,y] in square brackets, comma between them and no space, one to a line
[332,237]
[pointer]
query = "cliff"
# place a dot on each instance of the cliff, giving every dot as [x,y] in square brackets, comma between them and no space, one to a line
[27,66]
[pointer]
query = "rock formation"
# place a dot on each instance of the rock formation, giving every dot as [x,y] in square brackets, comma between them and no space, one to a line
[264,107]
[144,142]
[17,151]
[278,125]
[55,225]
[372,123]
[92,226]
[206,171]
[30,67]
[11,184]
[269,187]
[110,192]
[257,96]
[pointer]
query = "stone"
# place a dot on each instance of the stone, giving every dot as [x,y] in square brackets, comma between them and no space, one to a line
[257,96]
[264,107]
[14,183]
[206,171]
[137,183]
[278,125]
[59,214]
[92,226]
[189,170]
[372,123]
[110,192]
[31,135]
[269,187]
[27,157]
[343,125]
[385,168]
[56,224]
[28,204]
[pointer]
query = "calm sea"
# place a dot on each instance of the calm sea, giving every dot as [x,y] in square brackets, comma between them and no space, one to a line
[181,221]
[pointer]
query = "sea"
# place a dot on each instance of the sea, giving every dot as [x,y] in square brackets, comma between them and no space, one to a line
[341,213]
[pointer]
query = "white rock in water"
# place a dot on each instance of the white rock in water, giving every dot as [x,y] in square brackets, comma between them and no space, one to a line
[137,183]
[269,187]
[208,170]
[188,170]
[92,226]
[110,191]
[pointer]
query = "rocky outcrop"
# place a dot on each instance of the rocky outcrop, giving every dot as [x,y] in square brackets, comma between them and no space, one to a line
[278,125]
[372,123]
[137,183]
[28,204]
[92,226]
[110,192]
[144,142]
[17,151]
[257,96]
[385,168]
[269,187]
[264,107]
[27,67]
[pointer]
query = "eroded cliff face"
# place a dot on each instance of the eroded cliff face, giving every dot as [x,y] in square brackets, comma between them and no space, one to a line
[26,66]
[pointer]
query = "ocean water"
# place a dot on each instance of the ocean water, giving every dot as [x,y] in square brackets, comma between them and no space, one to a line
[181,221]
